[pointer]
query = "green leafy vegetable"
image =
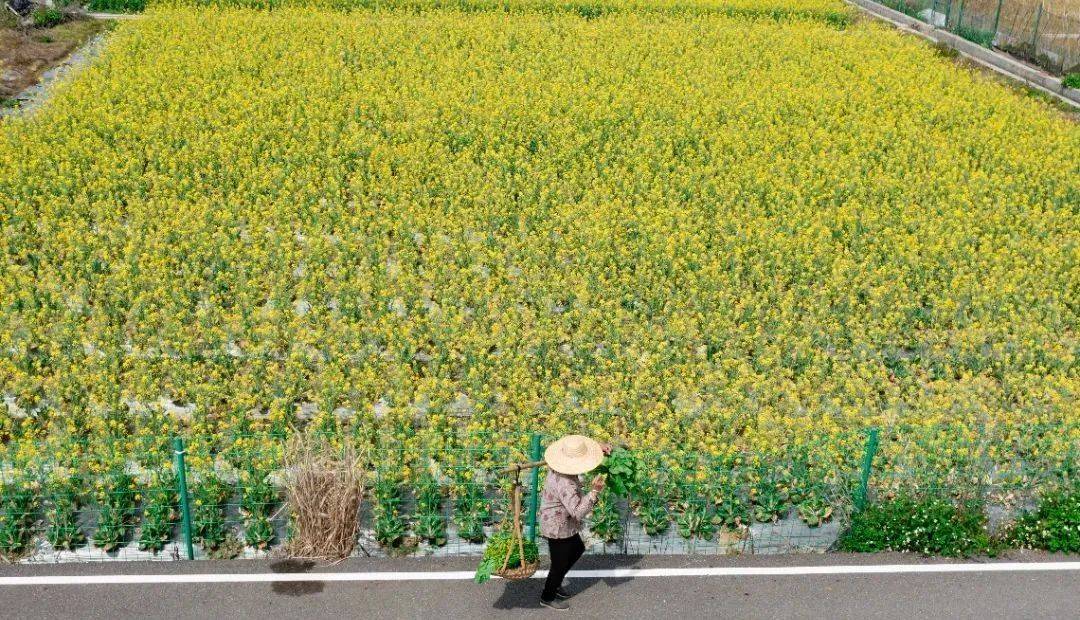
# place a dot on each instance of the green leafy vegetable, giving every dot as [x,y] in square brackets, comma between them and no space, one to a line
[625,472]
[495,554]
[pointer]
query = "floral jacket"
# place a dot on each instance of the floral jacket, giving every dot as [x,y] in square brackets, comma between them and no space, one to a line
[563,506]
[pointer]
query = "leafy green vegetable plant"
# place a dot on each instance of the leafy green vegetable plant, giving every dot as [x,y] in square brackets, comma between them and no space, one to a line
[625,472]
[208,520]
[471,511]
[258,497]
[652,511]
[814,510]
[430,521]
[116,498]
[160,512]
[469,499]
[731,505]
[257,494]
[1054,525]
[931,526]
[390,526]
[62,503]
[731,512]
[694,521]
[606,521]
[46,17]
[769,496]
[18,506]
[495,554]
[117,6]
[258,531]
[470,527]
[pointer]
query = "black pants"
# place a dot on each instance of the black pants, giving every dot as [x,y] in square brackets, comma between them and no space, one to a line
[564,553]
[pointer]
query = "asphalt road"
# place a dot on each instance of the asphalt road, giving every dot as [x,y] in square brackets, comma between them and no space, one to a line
[1043,595]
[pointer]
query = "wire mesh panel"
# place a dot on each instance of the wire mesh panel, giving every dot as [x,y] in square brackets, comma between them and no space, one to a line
[977,20]
[1002,470]
[1045,34]
[921,9]
[445,492]
[440,501]
[1057,44]
[742,502]
[89,506]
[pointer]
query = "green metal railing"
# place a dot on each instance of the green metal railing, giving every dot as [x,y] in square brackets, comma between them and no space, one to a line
[535,454]
[440,493]
[867,466]
[185,499]
[1043,35]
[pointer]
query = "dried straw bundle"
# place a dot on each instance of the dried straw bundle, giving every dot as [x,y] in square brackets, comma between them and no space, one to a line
[324,485]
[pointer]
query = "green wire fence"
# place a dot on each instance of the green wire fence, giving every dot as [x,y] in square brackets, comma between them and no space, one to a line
[1045,34]
[197,496]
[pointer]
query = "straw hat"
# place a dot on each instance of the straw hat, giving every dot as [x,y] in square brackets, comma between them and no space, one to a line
[573,454]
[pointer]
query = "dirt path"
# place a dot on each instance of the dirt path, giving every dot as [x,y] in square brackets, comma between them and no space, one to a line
[31,58]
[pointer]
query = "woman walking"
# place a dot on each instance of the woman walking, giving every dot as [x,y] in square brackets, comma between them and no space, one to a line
[563,506]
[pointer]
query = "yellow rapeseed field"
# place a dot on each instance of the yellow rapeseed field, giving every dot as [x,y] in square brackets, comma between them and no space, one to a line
[692,231]
[834,10]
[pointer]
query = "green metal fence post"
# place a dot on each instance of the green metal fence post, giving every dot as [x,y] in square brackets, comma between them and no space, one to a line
[1035,35]
[960,16]
[534,484]
[997,20]
[867,466]
[181,488]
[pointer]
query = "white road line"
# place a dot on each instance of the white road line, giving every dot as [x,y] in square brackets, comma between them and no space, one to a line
[704,571]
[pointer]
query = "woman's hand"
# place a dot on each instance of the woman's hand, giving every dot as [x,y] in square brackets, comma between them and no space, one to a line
[606,447]
[598,484]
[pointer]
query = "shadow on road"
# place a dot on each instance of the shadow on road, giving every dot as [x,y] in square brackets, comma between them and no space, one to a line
[525,594]
[295,588]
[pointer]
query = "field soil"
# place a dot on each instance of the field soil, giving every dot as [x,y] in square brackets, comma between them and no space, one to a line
[27,53]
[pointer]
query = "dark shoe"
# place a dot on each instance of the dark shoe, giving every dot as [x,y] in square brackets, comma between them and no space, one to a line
[562,594]
[555,604]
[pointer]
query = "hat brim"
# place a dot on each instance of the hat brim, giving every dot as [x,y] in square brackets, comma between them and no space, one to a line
[559,461]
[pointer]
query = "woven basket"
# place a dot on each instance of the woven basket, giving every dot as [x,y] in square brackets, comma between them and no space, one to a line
[516,574]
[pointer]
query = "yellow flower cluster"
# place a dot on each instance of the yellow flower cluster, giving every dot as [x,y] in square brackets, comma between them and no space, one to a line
[688,231]
[832,11]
